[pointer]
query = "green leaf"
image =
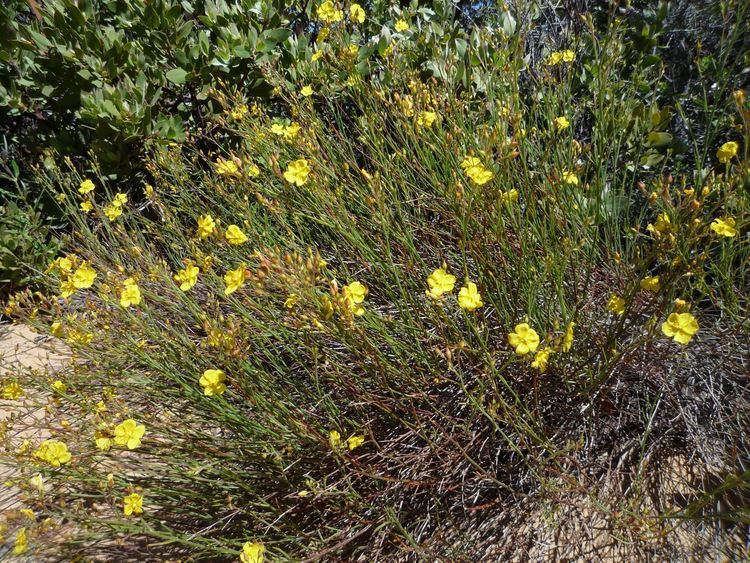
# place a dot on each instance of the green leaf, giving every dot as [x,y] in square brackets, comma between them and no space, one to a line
[177,75]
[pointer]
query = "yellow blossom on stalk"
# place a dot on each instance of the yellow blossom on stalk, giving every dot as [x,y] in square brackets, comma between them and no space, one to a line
[84,276]
[567,342]
[357,13]
[662,226]
[724,227]
[469,297]
[297,172]
[524,339]
[291,301]
[212,382]
[561,123]
[226,167]
[206,226]
[252,170]
[87,206]
[113,212]
[401,25]
[187,277]
[511,196]
[132,504]
[541,359]
[53,452]
[306,91]
[681,327]
[334,439]
[56,329]
[354,295]
[234,279]
[476,171]
[37,482]
[235,236]
[21,544]
[103,443]
[557,57]
[148,191]
[252,552]
[239,112]
[12,391]
[569,177]
[426,118]
[317,55]
[440,282]
[131,293]
[328,13]
[650,283]
[727,152]
[616,304]
[120,199]
[355,442]
[59,386]
[86,186]
[129,433]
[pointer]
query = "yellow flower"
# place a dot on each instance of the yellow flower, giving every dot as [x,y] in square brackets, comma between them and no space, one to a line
[86,186]
[84,276]
[53,452]
[569,177]
[476,171]
[306,91]
[129,433]
[252,552]
[355,442]
[113,212]
[86,206]
[56,329]
[616,304]
[291,301]
[212,382]
[103,443]
[561,123]
[524,339]
[132,504]
[401,25]
[440,282]
[234,279]
[131,293]
[681,327]
[120,199]
[252,170]
[541,359]
[426,118]
[235,236]
[727,152]
[37,482]
[511,196]
[297,172]
[239,112]
[556,57]
[469,297]
[650,283]
[567,342]
[226,167]
[357,13]
[663,225]
[59,386]
[12,391]
[317,55]
[328,13]
[334,439]
[724,227]
[206,226]
[354,295]
[187,277]
[148,191]
[21,544]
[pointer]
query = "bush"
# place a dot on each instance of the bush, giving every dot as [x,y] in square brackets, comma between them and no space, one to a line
[378,315]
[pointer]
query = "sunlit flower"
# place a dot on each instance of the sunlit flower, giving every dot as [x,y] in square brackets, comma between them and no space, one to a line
[59,386]
[132,504]
[724,227]
[252,553]
[681,327]
[354,295]
[226,167]
[569,177]
[87,206]
[328,13]
[12,391]
[662,226]
[86,186]
[727,152]
[56,329]
[357,13]
[21,545]
[650,283]
[557,57]
[148,191]
[37,482]
[511,196]
[476,171]
[291,301]
[469,297]
[334,439]
[129,433]
[212,382]
[355,442]
[524,339]
[113,212]
[239,112]
[53,452]
[235,236]
[306,91]
[616,304]
[234,279]
[541,359]
[187,277]
[426,118]
[316,56]
[103,443]
[401,26]
[561,123]
[567,342]
[84,276]
[440,282]
[297,172]
[131,293]
[206,226]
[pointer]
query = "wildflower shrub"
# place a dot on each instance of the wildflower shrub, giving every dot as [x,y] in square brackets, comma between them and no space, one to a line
[389,311]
